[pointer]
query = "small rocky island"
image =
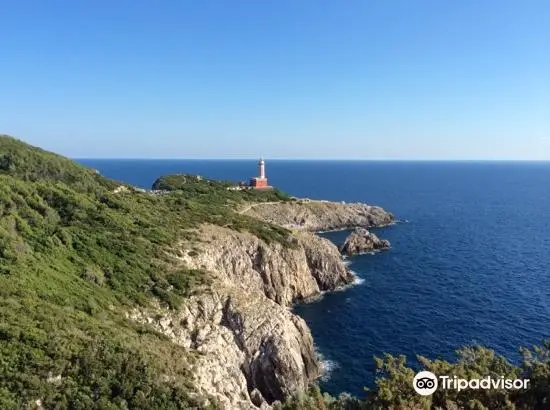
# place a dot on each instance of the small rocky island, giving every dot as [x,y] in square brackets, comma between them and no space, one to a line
[362,241]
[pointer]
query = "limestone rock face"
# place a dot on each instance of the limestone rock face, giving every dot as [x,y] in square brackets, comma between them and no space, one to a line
[361,241]
[285,275]
[320,215]
[252,349]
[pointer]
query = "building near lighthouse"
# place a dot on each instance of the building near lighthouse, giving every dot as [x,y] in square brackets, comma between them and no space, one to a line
[260,181]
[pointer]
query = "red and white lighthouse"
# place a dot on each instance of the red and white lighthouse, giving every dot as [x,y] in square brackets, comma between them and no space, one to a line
[261,180]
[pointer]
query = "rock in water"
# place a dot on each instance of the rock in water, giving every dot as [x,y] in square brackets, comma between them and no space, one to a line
[361,241]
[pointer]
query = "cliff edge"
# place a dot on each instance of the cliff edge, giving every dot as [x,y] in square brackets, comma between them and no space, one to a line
[254,350]
[318,216]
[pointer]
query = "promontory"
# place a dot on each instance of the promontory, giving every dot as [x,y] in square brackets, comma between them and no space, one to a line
[145,299]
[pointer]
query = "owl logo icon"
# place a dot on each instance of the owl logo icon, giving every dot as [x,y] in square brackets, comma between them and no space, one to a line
[425,383]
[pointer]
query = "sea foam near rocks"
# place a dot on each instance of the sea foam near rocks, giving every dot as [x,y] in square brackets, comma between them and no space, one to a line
[357,280]
[327,366]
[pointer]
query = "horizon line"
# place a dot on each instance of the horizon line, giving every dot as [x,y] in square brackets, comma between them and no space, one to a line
[312,159]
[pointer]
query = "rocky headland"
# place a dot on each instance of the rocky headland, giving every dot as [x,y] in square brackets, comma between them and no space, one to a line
[254,350]
[317,216]
[171,298]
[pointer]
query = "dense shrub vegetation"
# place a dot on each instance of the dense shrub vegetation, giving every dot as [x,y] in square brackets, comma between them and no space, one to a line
[210,201]
[27,163]
[196,187]
[394,384]
[74,256]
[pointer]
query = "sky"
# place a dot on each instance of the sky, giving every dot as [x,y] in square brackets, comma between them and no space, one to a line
[342,79]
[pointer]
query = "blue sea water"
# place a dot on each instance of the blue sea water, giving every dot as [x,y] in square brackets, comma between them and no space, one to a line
[471,265]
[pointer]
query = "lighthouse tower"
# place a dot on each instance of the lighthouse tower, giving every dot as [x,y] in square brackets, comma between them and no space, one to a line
[261,168]
[261,180]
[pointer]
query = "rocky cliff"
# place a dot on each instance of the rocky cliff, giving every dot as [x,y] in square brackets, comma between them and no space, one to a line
[253,349]
[282,273]
[320,215]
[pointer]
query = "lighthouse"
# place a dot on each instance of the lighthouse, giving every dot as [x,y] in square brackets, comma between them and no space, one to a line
[260,181]
[261,168]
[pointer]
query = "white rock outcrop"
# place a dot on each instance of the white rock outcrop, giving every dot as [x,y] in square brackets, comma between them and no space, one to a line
[320,215]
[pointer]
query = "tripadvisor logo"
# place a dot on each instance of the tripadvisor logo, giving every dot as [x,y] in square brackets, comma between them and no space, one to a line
[426,383]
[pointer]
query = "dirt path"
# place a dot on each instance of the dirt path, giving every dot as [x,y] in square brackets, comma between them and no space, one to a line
[249,207]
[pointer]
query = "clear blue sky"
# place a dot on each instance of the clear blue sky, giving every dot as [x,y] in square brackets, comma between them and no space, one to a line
[391,79]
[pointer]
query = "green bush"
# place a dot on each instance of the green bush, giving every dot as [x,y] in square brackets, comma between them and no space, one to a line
[394,389]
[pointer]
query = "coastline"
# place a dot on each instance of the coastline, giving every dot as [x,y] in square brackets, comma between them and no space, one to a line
[328,366]
[351,227]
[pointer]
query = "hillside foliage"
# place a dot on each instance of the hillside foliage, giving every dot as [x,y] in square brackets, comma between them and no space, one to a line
[394,389]
[194,186]
[75,255]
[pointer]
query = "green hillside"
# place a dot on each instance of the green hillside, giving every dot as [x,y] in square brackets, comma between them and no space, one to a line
[27,163]
[74,256]
[194,186]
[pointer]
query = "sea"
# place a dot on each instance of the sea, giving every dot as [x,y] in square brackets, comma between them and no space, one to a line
[468,264]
